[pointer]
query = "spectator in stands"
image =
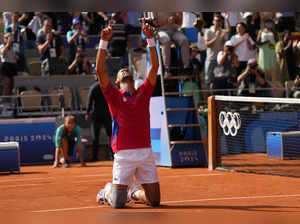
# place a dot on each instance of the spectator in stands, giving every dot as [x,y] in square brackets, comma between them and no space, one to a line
[243,46]
[215,38]
[296,48]
[199,25]
[267,16]
[81,64]
[98,112]
[118,43]
[133,25]
[37,22]
[62,21]
[190,85]
[104,16]
[179,19]
[168,32]
[75,37]
[52,50]
[67,136]
[85,20]
[285,21]
[233,18]
[251,79]
[117,18]
[267,61]
[188,19]
[251,28]
[8,69]
[19,37]
[285,57]
[295,93]
[83,17]
[7,18]
[98,22]
[225,73]
[197,65]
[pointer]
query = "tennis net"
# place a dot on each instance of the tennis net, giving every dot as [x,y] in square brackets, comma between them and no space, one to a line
[254,134]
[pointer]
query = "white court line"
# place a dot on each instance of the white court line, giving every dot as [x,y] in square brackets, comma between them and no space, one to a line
[65,209]
[234,198]
[182,201]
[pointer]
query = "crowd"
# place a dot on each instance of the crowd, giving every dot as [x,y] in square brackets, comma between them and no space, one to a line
[247,52]
[226,50]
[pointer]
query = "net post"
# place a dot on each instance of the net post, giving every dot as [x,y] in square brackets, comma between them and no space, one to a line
[212,133]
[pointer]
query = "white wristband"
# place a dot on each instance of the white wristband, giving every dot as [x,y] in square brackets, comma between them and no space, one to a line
[103,44]
[151,42]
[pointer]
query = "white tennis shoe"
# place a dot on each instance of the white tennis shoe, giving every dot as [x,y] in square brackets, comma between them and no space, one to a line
[132,188]
[100,198]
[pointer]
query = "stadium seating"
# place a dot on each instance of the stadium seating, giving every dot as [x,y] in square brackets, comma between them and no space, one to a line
[57,102]
[30,100]
[34,68]
[288,86]
[83,93]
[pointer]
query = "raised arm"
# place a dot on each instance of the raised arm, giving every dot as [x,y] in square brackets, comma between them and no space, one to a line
[103,78]
[148,31]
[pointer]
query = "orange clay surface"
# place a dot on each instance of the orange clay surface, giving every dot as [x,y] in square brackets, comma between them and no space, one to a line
[260,163]
[40,194]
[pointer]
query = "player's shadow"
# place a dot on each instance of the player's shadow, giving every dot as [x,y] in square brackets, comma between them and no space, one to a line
[254,208]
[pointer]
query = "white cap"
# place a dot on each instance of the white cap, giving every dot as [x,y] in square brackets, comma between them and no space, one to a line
[246,14]
[228,43]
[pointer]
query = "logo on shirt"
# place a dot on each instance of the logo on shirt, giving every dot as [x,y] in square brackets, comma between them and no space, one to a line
[124,99]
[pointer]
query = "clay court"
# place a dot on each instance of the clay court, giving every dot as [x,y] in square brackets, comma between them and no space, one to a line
[259,163]
[40,193]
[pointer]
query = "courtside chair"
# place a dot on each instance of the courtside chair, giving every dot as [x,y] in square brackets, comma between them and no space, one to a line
[30,101]
[83,92]
[60,98]
[35,68]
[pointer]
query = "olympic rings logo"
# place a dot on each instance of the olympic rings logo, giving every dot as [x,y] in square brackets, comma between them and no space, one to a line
[230,122]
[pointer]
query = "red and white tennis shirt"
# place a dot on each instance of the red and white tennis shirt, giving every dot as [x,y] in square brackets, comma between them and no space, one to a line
[130,115]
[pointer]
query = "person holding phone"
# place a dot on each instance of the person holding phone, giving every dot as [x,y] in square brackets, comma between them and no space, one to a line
[76,37]
[251,80]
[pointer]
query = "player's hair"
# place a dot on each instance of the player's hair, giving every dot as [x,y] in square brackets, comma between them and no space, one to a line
[70,118]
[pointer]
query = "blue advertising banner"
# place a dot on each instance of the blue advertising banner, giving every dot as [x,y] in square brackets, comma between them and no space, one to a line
[35,138]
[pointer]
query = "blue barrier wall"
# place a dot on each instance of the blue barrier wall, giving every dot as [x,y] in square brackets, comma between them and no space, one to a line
[35,137]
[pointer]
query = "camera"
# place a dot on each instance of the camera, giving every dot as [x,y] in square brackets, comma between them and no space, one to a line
[253,66]
[150,21]
[230,48]
[149,18]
